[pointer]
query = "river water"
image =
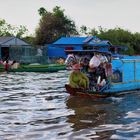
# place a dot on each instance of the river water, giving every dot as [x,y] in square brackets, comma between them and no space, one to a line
[35,106]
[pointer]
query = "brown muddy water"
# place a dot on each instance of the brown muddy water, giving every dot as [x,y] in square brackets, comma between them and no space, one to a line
[35,106]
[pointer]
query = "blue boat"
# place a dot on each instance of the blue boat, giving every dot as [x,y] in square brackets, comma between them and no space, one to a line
[128,71]
[125,76]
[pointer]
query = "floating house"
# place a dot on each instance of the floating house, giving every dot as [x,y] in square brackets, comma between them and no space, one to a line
[58,48]
[13,48]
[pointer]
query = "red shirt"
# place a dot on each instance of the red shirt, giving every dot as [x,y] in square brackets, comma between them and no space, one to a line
[6,67]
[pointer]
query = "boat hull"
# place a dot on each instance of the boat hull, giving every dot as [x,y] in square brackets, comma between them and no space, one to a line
[42,68]
[83,93]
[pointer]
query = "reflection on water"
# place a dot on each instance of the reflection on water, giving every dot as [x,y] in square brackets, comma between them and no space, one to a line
[35,106]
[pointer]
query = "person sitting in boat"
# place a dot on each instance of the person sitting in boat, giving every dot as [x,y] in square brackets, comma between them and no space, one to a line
[84,62]
[14,65]
[70,61]
[78,79]
[6,65]
[101,74]
[92,77]
[100,71]
[60,61]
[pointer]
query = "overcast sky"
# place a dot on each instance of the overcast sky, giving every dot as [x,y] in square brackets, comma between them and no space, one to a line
[92,13]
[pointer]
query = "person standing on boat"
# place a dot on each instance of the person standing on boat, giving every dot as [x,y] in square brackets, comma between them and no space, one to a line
[6,66]
[78,79]
[102,78]
[84,63]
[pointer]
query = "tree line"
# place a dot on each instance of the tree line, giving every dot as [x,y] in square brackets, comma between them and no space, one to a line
[55,24]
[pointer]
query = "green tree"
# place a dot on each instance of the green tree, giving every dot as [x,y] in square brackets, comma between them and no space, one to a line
[29,39]
[83,29]
[121,37]
[136,42]
[53,25]
[10,30]
[93,32]
[42,11]
[130,50]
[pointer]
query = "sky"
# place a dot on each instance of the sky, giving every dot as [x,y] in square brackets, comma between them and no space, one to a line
[91,13]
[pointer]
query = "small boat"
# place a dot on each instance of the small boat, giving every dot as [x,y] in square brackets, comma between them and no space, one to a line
[125,76]
[37,68]
[85,93]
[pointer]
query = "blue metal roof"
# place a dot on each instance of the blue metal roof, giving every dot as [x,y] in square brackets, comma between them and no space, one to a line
[70,40]
[101,43]
[92,41]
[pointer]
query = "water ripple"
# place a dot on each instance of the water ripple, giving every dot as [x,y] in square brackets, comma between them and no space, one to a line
[35,106]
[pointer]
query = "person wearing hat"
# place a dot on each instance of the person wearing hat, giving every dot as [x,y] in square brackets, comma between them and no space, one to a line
[78,79]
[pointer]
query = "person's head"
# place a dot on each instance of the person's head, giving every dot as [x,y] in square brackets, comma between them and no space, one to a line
[70,60]
[7,61]
[76,67]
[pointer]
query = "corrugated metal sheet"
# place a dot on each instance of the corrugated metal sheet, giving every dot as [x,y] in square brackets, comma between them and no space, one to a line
[70,40]
[11,41]
[100,43]
[5,39]
[92,40]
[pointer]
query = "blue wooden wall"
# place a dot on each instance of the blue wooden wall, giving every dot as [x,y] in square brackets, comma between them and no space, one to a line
[137,67]
[128,71]
[56,52]
[131,70]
